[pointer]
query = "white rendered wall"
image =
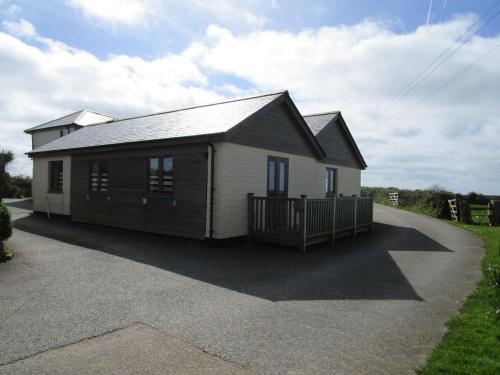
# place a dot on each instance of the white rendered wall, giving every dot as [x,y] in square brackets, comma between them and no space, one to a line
[242,169]
[57,203]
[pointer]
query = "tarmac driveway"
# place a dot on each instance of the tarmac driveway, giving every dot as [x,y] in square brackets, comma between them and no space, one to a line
[79,298]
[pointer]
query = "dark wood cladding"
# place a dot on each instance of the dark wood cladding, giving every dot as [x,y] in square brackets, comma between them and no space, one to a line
[128,186]
[275,129]
[338,149]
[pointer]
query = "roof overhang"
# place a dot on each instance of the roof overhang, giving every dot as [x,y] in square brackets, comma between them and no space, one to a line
[205,138]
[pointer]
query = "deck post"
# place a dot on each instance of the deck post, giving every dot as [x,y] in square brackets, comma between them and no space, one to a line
[355,215]
[334,219]
[250,215]
[303,222]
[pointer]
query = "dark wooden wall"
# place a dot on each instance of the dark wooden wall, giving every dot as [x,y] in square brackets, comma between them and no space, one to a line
[275,130]
[337,147]
[128,185]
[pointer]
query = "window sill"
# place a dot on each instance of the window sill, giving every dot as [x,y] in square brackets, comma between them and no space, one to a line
[159,200]
[54,192]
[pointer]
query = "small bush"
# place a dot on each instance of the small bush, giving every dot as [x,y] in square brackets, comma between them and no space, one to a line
[5,223]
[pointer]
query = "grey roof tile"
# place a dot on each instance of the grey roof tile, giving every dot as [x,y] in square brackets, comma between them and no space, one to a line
[202,120]
[83,117]
[317,122]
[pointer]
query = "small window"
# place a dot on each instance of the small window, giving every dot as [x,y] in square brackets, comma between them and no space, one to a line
[63,132]
[56,176]
[161,179]
[98,176]
[330,181]
[271,184]
[277,176]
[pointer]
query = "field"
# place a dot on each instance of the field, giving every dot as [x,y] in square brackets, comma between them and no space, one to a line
[479,213]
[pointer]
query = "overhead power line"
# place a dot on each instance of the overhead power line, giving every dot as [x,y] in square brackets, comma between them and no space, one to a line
[440,59]
[446,83]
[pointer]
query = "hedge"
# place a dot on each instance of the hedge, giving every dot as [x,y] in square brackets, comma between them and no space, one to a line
[5,223]
[433,202]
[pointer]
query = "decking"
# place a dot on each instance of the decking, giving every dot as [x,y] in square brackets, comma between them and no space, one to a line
[302,222]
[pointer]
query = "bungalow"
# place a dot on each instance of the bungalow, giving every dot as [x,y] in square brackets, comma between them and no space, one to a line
[187,172]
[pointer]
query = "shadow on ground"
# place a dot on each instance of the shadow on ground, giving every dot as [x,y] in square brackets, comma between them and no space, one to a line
[360,268]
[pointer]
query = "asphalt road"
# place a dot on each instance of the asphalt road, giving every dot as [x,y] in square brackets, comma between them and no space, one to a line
[376,304]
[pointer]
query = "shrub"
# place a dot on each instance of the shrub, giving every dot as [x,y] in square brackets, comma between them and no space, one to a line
[433,202]
[5,223]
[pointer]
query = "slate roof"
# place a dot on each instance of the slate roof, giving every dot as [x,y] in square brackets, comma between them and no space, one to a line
[194,121]
[83,117]
[318,121]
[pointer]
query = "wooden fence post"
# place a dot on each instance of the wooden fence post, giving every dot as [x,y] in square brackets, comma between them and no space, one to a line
[303,223]
[355,215]
[334,219]
[250,215]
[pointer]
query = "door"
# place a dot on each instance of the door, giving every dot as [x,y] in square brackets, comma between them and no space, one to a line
[277,187]
[277,177]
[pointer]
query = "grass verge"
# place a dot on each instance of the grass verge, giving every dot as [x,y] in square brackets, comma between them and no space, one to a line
[471,345]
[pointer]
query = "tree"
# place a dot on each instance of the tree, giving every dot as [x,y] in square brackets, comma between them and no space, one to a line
[6,157]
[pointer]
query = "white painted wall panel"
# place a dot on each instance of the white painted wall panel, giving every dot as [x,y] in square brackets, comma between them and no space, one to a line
[57,203]
[41,138]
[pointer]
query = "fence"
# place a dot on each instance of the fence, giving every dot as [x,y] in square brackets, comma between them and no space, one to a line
[301,221]
[394,198]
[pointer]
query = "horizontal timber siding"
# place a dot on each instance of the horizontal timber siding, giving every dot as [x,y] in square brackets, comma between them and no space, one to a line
[123,205]
[337,146]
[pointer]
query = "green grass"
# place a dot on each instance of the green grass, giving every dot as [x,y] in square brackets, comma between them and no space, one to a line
[472,343]
[479,214]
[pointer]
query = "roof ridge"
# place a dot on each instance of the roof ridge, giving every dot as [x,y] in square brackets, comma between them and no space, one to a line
[46,122]
[82,113]
[97,113]
[188,108]
[321,113]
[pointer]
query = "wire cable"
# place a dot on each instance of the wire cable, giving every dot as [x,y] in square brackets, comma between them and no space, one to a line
[423,74]
[446,83]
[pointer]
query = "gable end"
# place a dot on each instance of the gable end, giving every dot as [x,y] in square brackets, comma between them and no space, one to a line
[278,127]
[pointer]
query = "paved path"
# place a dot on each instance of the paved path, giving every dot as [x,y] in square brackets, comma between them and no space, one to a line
[376,304]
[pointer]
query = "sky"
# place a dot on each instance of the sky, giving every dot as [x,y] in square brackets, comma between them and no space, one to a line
[131,57]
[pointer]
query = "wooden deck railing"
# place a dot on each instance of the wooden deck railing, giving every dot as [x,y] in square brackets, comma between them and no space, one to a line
[302,221]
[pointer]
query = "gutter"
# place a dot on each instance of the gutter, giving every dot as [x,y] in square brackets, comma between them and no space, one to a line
[212,189]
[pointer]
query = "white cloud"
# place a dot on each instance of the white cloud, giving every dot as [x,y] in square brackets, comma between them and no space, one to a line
[142,12]
[126,12]
[43,83]
[451,139]
[21,28]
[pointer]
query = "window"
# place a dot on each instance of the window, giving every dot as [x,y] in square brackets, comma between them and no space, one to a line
[277,177]
[161,179]
[330,181]
[98,176]
[63,132]
[56,176]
